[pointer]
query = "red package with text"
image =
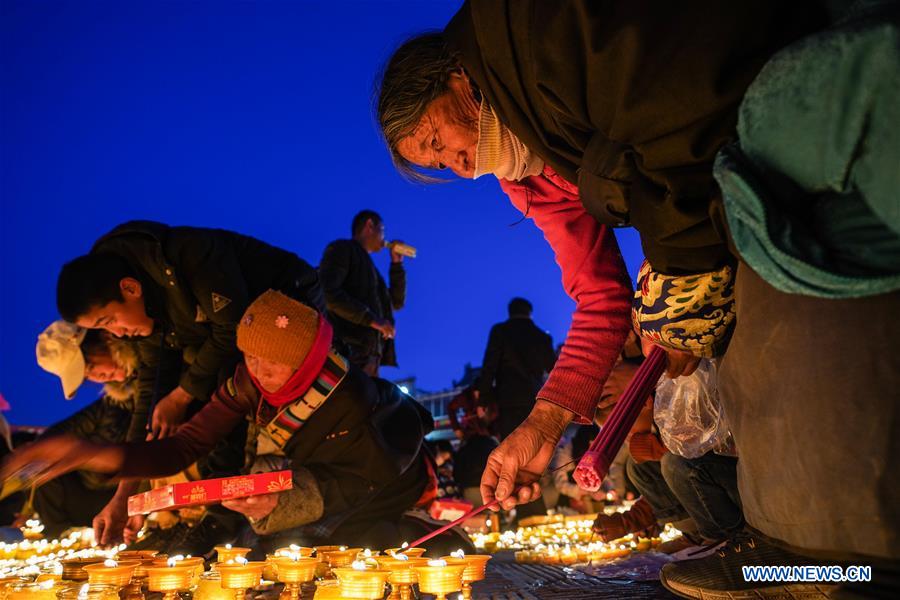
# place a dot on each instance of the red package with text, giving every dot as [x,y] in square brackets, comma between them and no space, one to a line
[449,510]
[208,491]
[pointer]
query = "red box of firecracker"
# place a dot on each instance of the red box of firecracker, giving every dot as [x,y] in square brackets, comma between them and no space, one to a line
[208,491]
[449,510]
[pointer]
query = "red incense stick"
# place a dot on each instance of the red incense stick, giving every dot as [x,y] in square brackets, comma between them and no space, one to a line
[594,464]
[453,524]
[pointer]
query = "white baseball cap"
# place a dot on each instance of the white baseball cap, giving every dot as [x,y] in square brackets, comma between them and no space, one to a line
[59,352]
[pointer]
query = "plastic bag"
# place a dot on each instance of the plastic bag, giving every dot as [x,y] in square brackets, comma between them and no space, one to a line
[689,416]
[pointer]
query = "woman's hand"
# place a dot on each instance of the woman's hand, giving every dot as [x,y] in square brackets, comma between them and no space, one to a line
[515,466]
[253,507]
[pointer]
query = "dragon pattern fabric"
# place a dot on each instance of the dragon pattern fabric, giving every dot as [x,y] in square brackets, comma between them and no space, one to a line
[693,313]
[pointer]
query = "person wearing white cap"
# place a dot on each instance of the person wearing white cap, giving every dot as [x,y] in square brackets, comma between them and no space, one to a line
[75,354]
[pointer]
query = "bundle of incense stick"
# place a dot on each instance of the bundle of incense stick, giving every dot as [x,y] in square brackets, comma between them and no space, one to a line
[594,464]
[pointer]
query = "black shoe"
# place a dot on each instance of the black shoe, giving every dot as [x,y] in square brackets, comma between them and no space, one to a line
[720,577]
[200,539]
[159,539]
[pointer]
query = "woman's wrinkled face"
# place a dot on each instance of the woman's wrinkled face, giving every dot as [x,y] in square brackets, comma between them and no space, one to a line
[447,134]
[271,375]
[102,368]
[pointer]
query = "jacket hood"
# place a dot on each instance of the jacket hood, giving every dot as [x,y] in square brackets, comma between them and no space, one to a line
[124,355]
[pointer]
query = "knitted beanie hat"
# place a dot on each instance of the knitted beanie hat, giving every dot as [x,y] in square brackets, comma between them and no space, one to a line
[278,328]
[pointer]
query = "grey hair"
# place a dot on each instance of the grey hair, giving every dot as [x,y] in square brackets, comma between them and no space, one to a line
[416,74]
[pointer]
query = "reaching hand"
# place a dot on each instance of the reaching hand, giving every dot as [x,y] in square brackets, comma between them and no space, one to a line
[169,413]
[253,507]
[132,528]
[56,456]
[109,524]
[518,462]
[387,329]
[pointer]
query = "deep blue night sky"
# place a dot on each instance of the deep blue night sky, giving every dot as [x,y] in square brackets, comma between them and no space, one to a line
[251,116]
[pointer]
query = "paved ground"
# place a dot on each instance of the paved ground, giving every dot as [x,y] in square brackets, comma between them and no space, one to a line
[507,580]
[510,581]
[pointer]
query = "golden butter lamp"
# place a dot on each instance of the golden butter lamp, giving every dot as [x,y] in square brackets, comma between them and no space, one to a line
[111,572]
[439,578]
[360,582]
[240,576]
[170,579]
[73,568]
[229,552]
[475,565]
[210,588]
[293,571]
[45,590]
[87,591]
[403,576]
[410,552]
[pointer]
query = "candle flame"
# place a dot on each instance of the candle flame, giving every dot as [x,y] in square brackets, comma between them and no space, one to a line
[400,556]
[359,565]
[83,592]
[404,545]
[110,563]
[367,553]
[294,547]
[172,562]
[342,548]
[241,560]
[228,546]
[458,554]
[437,563]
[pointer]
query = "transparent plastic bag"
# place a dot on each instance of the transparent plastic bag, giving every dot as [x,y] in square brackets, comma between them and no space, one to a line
[689,416]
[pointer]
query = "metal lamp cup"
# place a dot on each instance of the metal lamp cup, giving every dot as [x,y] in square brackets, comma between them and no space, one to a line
[362,584]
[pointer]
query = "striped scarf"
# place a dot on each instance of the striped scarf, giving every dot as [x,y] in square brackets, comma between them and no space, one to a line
[274,437]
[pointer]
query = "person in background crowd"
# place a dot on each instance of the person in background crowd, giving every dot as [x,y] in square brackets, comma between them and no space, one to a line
[475,428]
[517,358]
[83,498]
[442,450]
[503,90]
[353,443]
[360,304]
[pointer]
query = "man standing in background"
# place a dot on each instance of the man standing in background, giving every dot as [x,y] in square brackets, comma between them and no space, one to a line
[517,357]
[360,304]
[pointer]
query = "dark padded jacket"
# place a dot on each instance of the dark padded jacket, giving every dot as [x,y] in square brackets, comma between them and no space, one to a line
[630,100]
[517,357]
[197,283]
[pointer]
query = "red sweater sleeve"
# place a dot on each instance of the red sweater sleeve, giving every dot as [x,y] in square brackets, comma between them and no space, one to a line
[194,439]
[593,275]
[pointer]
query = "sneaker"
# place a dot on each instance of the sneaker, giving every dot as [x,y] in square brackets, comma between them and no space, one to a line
[679,546]
[638,519]
[719,576]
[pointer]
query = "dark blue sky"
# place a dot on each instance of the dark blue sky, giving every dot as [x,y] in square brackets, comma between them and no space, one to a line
[251,116]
